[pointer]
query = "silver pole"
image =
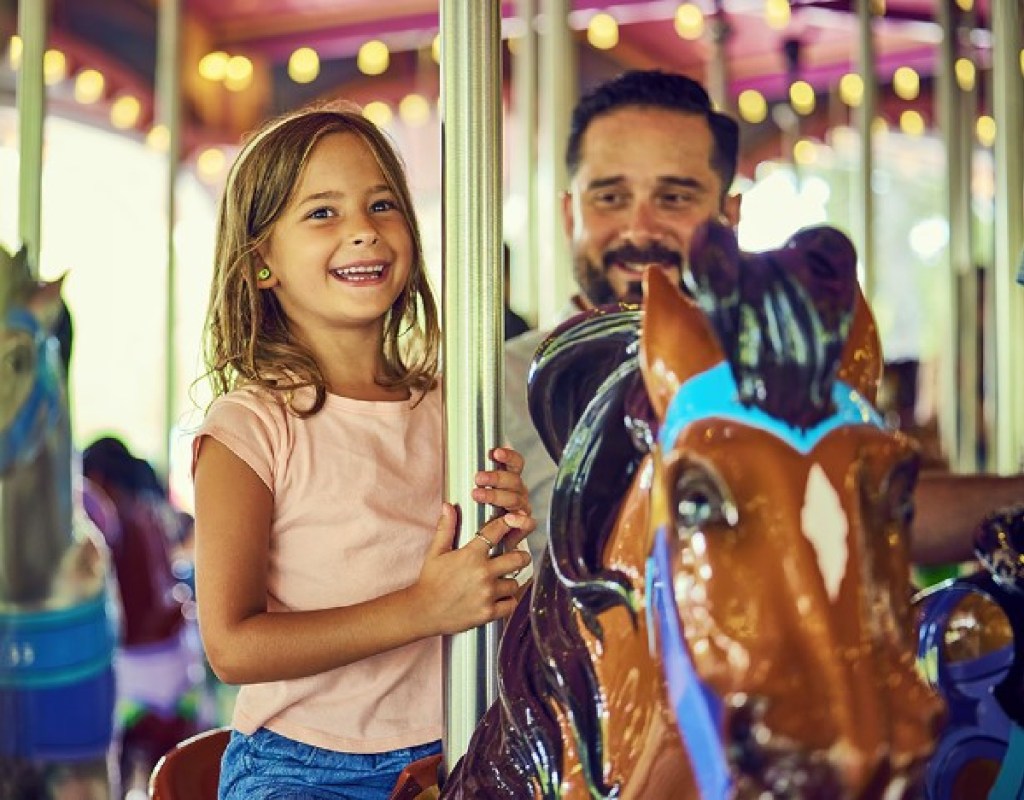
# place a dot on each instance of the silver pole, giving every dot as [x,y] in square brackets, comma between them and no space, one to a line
[1007,101]
[471,174]
[31,100]
[558,89]
[168,102]
[718,66]
[526,282]
[865,117]
[959,376]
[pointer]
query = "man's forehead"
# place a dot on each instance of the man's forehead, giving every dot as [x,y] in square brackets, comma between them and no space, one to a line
[649,142]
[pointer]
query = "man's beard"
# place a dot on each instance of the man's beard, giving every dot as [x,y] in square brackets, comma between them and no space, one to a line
[593,278]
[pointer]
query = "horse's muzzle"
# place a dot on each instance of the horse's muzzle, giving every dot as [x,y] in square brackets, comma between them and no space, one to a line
[764,762]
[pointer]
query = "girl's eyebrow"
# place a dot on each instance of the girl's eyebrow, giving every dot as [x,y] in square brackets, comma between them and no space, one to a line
[332,194]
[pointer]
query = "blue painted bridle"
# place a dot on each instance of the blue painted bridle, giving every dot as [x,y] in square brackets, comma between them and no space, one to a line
[20,441]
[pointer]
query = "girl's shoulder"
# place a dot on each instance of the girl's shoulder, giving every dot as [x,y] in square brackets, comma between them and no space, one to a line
[251,401]
[252,395]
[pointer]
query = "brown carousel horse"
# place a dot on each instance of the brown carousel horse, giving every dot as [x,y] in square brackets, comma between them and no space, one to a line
[723,610]
[56,631]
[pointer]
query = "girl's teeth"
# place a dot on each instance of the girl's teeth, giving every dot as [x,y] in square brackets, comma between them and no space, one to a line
[360,273]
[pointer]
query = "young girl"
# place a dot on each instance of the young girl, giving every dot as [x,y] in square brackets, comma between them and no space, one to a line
[324,577]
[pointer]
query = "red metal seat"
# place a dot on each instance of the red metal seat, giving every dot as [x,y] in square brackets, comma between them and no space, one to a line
[190,770]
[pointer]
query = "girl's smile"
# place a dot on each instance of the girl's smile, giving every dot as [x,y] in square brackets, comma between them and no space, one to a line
[366,273]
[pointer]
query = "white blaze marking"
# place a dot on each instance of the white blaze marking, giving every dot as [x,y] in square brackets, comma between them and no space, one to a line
[825,526]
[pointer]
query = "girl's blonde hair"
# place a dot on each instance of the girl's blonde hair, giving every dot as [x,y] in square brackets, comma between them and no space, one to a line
[247,336]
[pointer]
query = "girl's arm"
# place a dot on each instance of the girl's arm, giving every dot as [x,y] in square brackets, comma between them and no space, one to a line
[244,643]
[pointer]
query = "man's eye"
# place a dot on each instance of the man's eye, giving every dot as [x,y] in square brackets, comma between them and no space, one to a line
[676,198]
[610,199]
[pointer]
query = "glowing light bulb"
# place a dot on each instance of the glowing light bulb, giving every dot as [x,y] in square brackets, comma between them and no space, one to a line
[373,57]
[603,31]
[689,22]
[304,65]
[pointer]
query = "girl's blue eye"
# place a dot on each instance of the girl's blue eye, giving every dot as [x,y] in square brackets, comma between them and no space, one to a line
[383,205]
[320,213]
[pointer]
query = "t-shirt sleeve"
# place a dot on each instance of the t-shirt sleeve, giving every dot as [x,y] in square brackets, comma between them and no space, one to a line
[246,425]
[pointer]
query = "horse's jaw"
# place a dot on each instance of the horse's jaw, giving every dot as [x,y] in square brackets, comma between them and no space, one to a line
[37,540]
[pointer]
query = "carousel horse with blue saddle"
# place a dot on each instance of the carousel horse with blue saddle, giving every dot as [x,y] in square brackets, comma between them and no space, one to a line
[723,609]
[57,623]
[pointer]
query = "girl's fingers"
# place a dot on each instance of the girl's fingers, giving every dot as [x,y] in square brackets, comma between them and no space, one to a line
[509,458]
[504,588]
[504,608]
[502,498]
[499,479]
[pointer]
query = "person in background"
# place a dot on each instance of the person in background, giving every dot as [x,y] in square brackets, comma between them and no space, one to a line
[515,325]
[325,577]
[649,160]
[158,663]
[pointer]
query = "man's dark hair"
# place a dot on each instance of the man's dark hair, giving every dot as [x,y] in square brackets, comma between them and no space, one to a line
[656,89]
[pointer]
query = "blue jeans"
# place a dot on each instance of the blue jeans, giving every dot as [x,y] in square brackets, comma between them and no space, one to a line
[268,766]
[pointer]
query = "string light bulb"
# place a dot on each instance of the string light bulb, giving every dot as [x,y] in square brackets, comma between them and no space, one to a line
[689,22]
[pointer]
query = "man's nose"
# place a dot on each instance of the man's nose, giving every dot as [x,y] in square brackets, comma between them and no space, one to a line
[642,222]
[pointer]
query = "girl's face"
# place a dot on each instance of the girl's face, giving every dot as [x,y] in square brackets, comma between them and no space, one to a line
[341,251]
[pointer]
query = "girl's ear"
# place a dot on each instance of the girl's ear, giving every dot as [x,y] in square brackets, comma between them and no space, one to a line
[265,277]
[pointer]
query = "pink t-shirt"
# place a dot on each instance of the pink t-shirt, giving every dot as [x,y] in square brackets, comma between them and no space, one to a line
[357,492]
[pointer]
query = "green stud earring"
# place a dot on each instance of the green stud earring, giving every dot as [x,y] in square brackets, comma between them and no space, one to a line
[263,274]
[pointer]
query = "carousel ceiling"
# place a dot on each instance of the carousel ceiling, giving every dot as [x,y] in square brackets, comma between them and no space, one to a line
[812,40]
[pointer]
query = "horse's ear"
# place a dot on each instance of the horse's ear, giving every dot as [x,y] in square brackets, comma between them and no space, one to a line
[861,364]
[676,340]
[45,302]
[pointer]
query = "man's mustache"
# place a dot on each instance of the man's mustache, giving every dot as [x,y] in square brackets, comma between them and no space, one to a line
[653,253]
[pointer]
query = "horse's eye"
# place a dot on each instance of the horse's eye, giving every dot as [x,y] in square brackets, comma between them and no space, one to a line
[700,501]
[18,361]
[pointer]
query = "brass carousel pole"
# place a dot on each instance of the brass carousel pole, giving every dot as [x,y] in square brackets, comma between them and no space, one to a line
[168,114]
[31,101]
[1009,296]
[718,65]
[471,173]
[866,116]
[526,286]
[558,89]
[959,376]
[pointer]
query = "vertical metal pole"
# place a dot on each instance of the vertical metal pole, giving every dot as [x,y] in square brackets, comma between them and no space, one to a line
[958,376]
[718,66]
[168,107]
[865,117]
[32,20]
[471,177]
[526,287]
[1009,296]
[558,90]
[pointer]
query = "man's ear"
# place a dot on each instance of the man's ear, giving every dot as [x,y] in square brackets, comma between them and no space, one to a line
[567,215]
[731,210]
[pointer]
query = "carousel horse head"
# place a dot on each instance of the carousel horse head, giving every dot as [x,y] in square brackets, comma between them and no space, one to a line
[723,610]
[35,453]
